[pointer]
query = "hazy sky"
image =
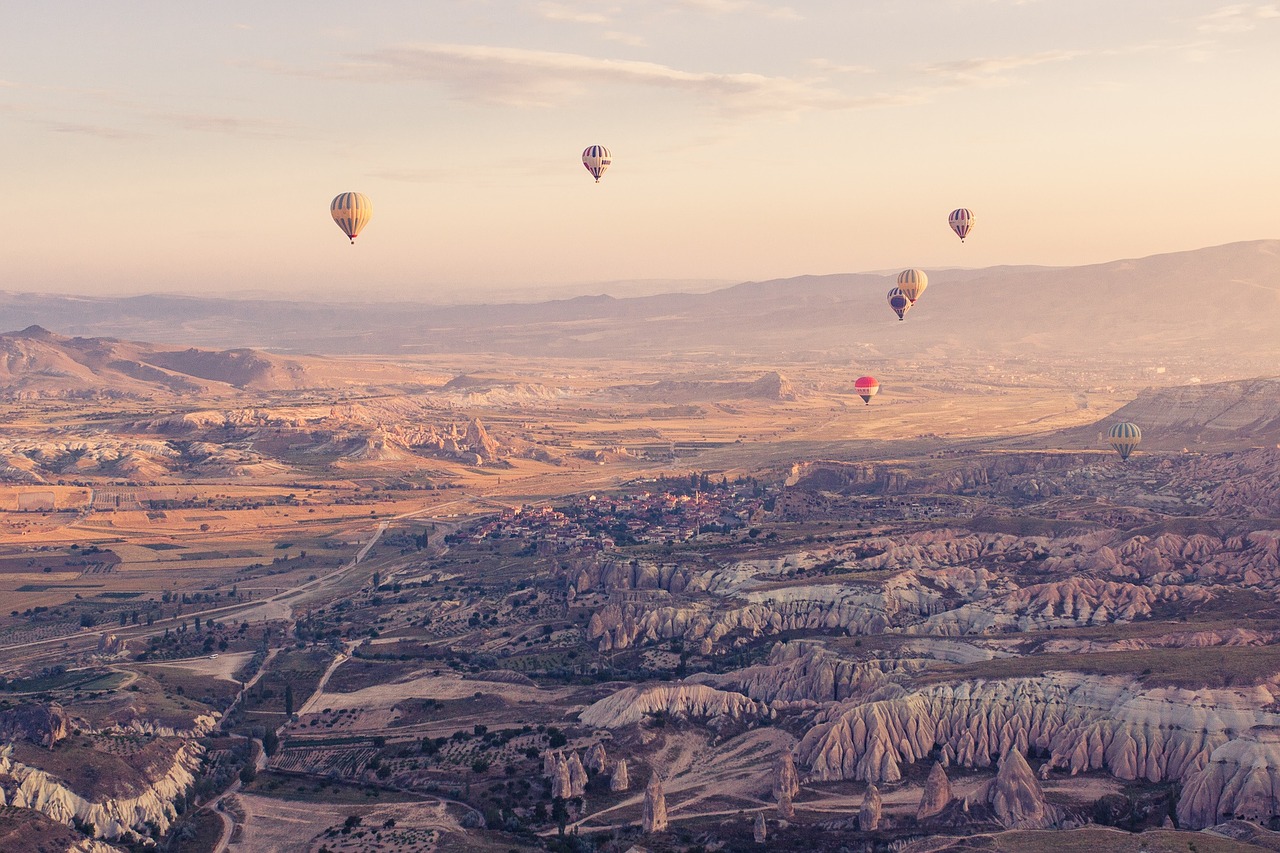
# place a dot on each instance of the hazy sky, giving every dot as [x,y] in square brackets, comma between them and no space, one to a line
[194,147]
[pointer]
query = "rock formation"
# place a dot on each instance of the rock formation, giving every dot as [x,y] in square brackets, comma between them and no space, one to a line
[561,782]
[110,645]
[44,725]
[1084,722]
[619,780]
[1240,780]
[577,776]
[786,808]
[785,777]
[655,806]
[597,761]
[1016,798]
[550,762]
[869,814]
[162,772]
[477,440]
[937,793]
[758,830]
[631,704]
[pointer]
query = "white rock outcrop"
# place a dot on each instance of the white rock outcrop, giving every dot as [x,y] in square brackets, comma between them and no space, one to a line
[698,701]
[577,776]
[655,806]
[619,780]
[597,761]
[937,793]
[785,777]
[1016,797]
[561,783]
[27,787]
[869,814]
[1240,780]
[1084,722]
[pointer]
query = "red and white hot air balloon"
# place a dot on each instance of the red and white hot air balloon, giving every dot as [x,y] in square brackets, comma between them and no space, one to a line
[867,387]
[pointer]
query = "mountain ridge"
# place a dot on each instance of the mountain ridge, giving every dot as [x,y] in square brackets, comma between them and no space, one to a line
[1215,302]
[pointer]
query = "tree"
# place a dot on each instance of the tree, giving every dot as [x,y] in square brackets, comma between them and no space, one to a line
[559,813]
[270,742]
[288,700]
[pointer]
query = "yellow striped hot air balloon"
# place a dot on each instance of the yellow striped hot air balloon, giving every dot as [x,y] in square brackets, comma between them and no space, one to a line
[352,212]
[912,283]
[1123,438]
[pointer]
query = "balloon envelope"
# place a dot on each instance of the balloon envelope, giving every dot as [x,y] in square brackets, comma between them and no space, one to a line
[597,159]
[352,212]
[1123,438]
[961,222]
[867,387]
[899,302]
[912,283]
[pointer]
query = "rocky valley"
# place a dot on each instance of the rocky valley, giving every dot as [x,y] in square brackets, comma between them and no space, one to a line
[682,603]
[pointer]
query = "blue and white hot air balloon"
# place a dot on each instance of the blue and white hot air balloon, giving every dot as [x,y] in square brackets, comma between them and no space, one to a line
[597,159]
[899,302]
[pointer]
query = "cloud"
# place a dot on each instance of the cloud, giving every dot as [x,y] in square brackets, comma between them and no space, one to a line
[826,66]
[629,39]
[202,123]
[729,7]
[563,12]
[520,77]
[100,131]
[979,70]
[1238,17]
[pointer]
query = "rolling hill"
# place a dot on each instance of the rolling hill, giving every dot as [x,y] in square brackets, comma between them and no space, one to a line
[38,363]
[1220,303]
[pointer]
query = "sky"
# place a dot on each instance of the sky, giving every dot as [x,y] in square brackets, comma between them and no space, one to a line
[159,146]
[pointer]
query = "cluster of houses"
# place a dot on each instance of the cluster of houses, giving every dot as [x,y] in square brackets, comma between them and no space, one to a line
[601,522]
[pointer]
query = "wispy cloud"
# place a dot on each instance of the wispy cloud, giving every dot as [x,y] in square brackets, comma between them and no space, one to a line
[100,131]
[826,66]
[629,39]
[573,14]
[989,69]
[519,77]
[729,7]
[1238,17]
[235,125]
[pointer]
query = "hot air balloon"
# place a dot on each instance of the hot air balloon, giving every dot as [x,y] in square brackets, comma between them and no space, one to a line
[961,221]
[352,212]
[867,387]
[1123,438]
[597,159]
[912,283]
[899,302]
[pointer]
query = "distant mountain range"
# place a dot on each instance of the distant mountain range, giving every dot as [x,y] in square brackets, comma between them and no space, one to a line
[1220,303]
[38,363]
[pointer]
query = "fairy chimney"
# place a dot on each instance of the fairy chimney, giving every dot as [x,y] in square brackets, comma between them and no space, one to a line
[619,781]
[869,814]
[655,806]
